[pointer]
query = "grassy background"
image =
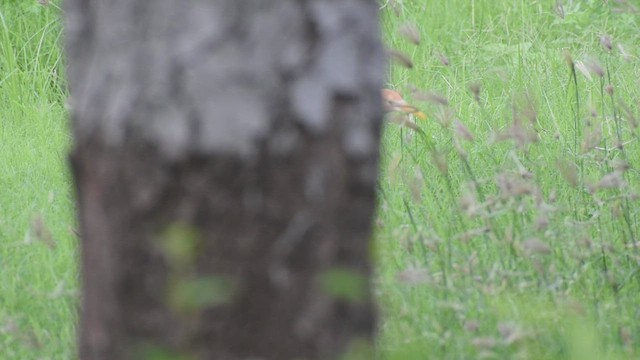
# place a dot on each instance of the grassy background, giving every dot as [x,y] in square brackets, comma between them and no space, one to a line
[500,256]
[38,273]
[517,244]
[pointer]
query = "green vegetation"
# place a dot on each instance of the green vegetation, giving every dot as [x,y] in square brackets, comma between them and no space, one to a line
[38,271]
[508,231]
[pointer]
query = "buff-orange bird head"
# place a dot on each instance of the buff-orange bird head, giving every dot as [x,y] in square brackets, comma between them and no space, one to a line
[393,101]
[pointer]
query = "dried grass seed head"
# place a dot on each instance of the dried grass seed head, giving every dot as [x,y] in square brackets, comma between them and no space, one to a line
[625,55]
[475,90]
[444,60]
[411,32]
[605,41]
[594,67]
[431,97]
[462,131]
[400,58]
[568,58]
[439,159]
[533,246]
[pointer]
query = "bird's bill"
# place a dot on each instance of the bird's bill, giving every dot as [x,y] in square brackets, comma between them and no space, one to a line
[394,102]
[403,106]
[420,115]
[410,109]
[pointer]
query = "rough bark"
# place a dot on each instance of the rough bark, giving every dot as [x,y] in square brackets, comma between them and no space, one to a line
[225,159]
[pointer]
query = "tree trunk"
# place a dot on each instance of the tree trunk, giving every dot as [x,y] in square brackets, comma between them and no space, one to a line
[225,159]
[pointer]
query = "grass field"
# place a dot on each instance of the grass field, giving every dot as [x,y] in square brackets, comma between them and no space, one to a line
[507,231]
[38,272]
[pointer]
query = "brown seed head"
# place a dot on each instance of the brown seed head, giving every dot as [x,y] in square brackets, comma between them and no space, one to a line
[416,184]
[559,9]
[569,172]
[626,336]
[431,97]
[620,165]
[630,116]
[396,7]
[609,89]
[410,32]
[605,41]
[510,332]
[444,60]
[400,58]
[568,58]
[475,90]
[413,276]
[542,222]
[611,180]
[484,342]
[595,67]
[462,131]
[625,55]
[582,68]
[460,150]
[592,138]
[471,325]
[440,161]
[42,232]
[534,246]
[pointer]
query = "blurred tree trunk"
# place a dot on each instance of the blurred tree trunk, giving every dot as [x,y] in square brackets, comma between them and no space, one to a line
[225,159]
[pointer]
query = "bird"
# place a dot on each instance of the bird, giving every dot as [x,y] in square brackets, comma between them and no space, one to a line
[392,101]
